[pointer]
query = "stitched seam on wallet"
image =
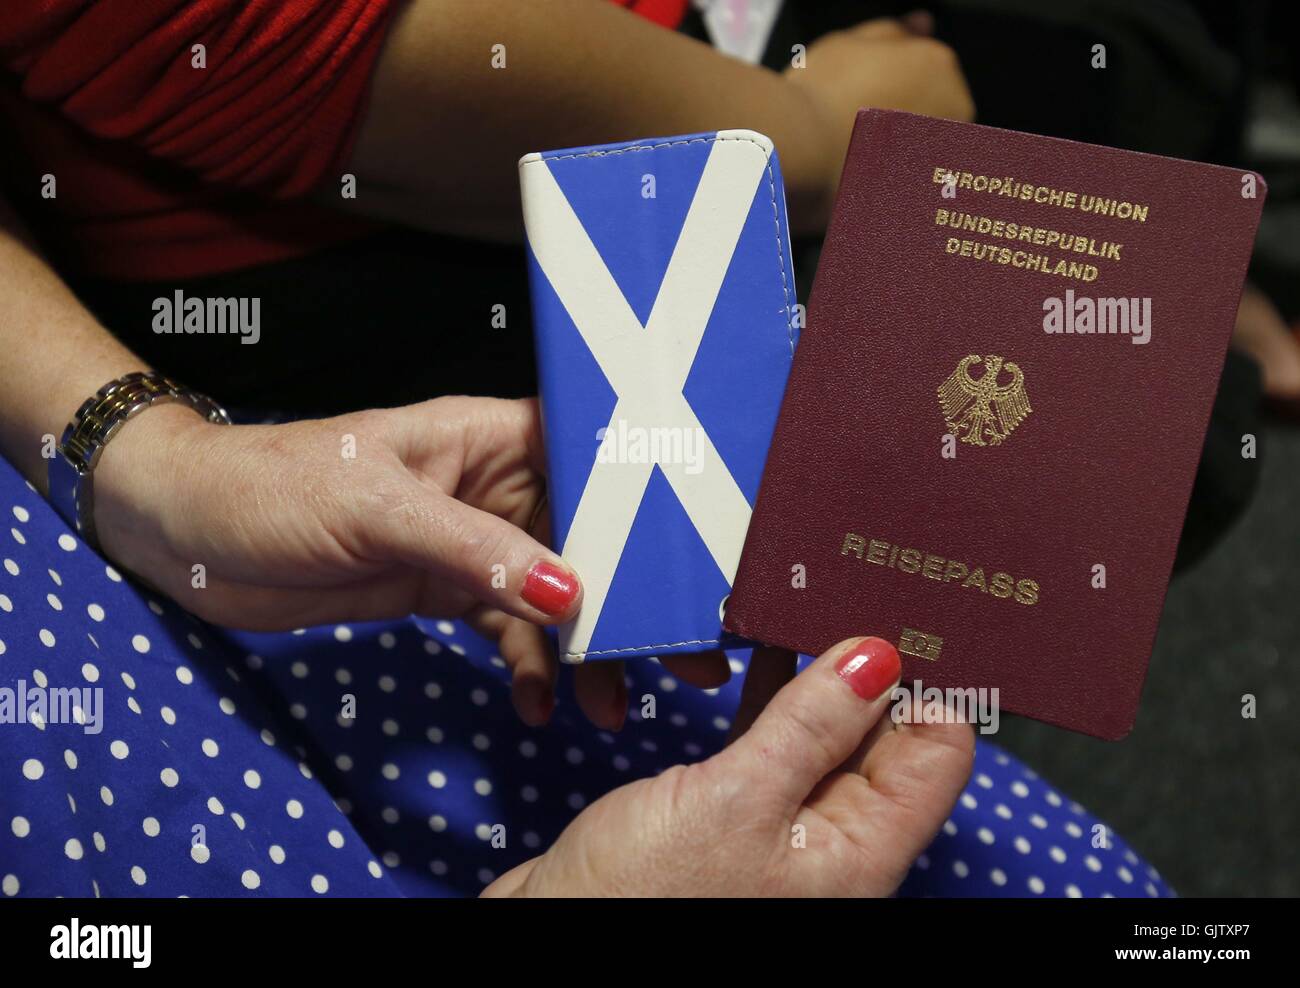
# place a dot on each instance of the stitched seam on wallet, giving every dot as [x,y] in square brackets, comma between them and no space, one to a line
[785,291]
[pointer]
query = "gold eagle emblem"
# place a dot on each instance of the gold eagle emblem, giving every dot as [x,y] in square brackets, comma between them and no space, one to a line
[981,411]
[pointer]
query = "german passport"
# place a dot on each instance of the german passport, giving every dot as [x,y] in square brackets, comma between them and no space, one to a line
[994,417]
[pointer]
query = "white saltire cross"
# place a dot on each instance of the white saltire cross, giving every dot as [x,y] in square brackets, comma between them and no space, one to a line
[647,366]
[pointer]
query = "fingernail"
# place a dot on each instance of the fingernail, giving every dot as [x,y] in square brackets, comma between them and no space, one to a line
[535,701]
[870,668]
[549,588]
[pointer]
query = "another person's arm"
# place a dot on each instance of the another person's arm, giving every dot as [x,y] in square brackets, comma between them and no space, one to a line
[444,129]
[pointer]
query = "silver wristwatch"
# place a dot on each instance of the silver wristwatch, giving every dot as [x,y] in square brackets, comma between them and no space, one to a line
[72,469]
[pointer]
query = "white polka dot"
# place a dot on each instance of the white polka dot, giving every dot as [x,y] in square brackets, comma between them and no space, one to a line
[294,809]
[100,844]
[112,574]
[33,769]
[531,839]
[1018,788]
[529,794]
[389,815]
[373,868]
[251,879]
[335,838]
[9,885]
[151,827]
[1036,885]
[1073,892]
[576,800]
[432,647]
[54,601]
[1125,875]
[268,738]
[434,734]
[478,697]
[67,543]
[95,611]
[299,670]
[1022,845]
[20,826]
[276,853]
[140,643]
[214,806]
[169,777]
[968,801]
[387,683]
[211,748]
[486,876]
[483,787]
[21,513]
[437,823]
[319,883]
[70,758]
[184,674]
[985,835]
[90,672]
[432,690]
[387,640]
[438,867]
[47,637]
[342,677]
[390,772]
[437,779]
[227,705]
[239,820]
[1038,821]
[168,715]
[343,633]
[998,877]
[950,828]
[343,762]
[6,604]
[960,868]
[390,727]
[483,831]
[106,794]
[200,853]
[73,849]
[252,779]
[527,748]
[1057,855]
[128,680]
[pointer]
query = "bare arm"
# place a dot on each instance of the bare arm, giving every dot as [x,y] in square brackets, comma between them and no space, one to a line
[53,353]
[444,128]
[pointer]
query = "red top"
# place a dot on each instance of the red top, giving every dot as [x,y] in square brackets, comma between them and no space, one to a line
[165,170]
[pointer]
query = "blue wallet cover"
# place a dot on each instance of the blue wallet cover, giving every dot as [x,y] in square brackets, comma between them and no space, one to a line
[664,316]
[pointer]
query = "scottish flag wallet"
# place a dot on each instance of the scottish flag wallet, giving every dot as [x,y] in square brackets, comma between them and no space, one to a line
[665,318]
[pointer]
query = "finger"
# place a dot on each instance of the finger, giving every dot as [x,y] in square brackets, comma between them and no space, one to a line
[528,655]
[769,670]
[913,777]
[706,671]
[601,691]
[920,22]
[880,29]
[817,720]
[494,561]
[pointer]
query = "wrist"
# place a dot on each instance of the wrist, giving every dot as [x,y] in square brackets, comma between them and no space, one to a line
[140,474]
[810,161]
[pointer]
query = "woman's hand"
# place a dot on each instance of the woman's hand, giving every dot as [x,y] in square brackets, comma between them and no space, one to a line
[884,64]
[818,795]
[378,514]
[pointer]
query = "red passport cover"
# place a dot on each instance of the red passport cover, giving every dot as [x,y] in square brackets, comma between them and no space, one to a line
[1036,559]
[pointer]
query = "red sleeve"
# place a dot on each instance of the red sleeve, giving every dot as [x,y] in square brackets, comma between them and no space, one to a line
[275,107]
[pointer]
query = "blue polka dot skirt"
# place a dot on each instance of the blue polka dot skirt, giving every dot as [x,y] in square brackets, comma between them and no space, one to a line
[172,758]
